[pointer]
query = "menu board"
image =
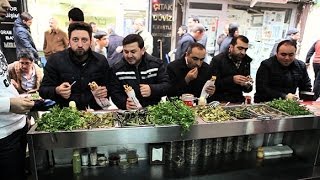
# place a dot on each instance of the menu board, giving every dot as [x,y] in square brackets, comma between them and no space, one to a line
[161,27]
[8,46]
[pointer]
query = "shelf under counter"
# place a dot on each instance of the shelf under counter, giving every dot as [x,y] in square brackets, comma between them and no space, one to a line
[154,134]
[232,166]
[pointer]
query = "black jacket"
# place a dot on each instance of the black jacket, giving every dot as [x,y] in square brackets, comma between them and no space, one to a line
[275,81]
[178,70]
[62,67]
[151,71]
[224,68]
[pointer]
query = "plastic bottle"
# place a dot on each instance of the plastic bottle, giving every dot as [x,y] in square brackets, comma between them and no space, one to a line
[76,161]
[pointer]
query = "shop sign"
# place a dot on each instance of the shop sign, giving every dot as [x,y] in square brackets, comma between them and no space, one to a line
[161,27]
[6,34]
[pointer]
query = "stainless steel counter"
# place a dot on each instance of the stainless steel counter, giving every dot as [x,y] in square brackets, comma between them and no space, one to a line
[202,130]
[142,135]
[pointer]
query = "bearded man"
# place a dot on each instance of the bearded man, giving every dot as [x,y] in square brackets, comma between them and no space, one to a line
[68,73]
[232,69]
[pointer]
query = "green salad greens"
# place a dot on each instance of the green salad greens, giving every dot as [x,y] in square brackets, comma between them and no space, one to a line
[172,112]
[290,107]
[61,119]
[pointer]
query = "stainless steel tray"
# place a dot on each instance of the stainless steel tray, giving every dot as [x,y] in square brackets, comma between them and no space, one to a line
[262,110]
[240,112]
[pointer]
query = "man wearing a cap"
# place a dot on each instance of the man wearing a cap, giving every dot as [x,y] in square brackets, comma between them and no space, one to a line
[101,43]
[233,32]
[292,34]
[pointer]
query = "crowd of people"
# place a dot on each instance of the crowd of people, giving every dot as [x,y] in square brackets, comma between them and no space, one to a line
[79,57]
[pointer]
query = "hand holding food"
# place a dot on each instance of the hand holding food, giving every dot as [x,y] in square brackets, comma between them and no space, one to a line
[145,90]
[21,105]
[132,95]
[240,79]
[292,96]
[192,74]
[64,90]
[130,104]
[209,88]
[100,94]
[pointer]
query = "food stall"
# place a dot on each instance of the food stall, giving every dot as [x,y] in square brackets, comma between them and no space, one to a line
[301,134]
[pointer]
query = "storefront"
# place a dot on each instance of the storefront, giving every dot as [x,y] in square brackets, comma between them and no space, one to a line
[120,13]
[263,24]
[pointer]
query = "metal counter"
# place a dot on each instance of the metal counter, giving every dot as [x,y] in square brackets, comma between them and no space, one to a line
[202,130]
[142,135]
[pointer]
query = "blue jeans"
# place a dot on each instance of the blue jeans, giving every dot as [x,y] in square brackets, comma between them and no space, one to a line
[12,155]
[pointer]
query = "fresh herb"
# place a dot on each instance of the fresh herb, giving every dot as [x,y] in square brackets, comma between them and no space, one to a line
[61,119]
[172,112]
[289,106]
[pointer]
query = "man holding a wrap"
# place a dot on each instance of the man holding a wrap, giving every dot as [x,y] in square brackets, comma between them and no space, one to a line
[232,69]
[68,73]
[189,75]
[138,79]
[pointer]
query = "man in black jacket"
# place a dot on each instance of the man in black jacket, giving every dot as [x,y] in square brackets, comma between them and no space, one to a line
[68,73]
[188,75]
[232,69]
[144,73]
[281,75]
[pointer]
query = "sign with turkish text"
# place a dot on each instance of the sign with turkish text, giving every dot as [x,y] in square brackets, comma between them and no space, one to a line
[161,27]
[8,46]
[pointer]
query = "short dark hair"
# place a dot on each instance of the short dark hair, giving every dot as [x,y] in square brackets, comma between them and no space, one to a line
[80,26]
[241,38]
[184,28]
[195,45]
[26,16]
[76,14]
[195,19]
[25,53]
[131,38]
[287,42]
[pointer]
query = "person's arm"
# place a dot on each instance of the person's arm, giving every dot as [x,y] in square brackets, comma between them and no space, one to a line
[65,40]
[50,81]
[305,84]
[161,88]
[116,91]
[316,88]
[222,83]
[23,37]
[263,81]
[149,43]
[176,84]
[44,43]
[310,53]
